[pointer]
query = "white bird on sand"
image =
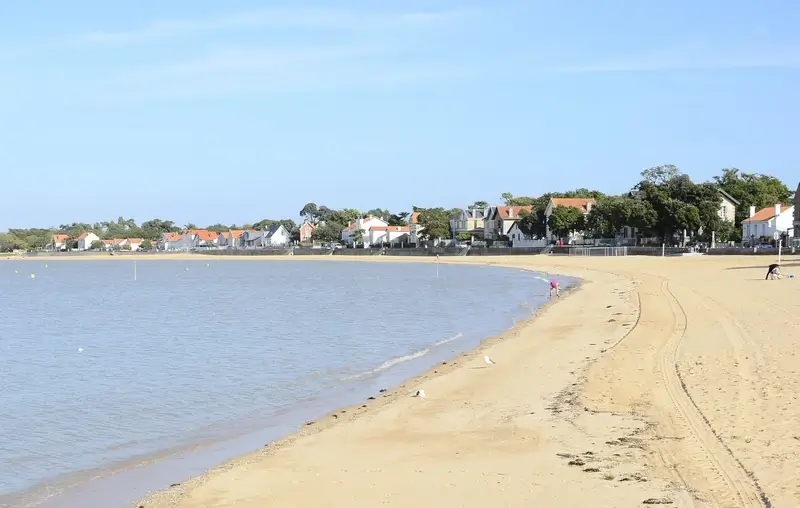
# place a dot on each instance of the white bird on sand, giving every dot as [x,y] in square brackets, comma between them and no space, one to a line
[489,361]
[420,394]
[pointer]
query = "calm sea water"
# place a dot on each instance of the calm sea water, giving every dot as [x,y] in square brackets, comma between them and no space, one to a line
[99,372]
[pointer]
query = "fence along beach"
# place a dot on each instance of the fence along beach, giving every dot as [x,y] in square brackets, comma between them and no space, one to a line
[668,388]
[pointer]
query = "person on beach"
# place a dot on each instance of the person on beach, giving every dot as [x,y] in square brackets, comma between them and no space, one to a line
[773,272]
[554,287]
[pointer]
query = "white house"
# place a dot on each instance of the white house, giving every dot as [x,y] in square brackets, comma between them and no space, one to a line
[520,239]
[86,240]
[364,225]
[583,204]
[276,235]
[58,242]
[500,220]
[768,223]
[378,235]
[205,238]
[134,243]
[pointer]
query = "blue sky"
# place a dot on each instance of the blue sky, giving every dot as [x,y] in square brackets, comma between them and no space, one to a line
[208,111]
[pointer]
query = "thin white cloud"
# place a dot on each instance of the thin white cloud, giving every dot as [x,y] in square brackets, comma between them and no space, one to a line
[691,56]
[287,17]
[258,71]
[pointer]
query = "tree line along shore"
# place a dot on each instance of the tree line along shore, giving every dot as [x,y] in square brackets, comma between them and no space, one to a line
[662,203]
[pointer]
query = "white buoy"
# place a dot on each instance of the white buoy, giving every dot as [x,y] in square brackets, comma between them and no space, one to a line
[489,361]
[45,265]
[33,276]
[80,350]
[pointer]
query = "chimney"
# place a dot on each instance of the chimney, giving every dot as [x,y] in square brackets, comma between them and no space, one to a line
[510,213]
[777,209]
[752,211]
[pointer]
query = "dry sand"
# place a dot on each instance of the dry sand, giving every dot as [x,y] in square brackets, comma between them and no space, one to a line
[659,380]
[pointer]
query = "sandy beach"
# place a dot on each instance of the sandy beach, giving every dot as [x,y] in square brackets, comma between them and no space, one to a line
[660,381]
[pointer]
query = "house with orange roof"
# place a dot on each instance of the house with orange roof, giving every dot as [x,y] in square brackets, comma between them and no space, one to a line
[414,228]
[770,223]
[231,239]
[204,238]
[349,235]
[134,243]
[58,242]
[583,204]
[500,219]
[176,241]
[86,240]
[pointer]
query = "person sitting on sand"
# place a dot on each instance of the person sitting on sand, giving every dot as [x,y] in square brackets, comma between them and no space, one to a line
[773,272]
[554,287]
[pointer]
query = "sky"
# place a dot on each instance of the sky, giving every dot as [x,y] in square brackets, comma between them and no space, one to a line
[205,112]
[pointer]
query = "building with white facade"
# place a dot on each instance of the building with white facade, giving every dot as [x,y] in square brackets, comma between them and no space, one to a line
[769,223]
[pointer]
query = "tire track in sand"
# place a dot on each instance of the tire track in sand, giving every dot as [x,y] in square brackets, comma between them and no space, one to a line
[741,487]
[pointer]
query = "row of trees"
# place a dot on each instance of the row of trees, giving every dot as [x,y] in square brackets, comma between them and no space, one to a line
[665,202]
[150,231]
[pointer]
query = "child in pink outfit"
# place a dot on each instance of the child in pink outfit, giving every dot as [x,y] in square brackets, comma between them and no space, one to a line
[554,287]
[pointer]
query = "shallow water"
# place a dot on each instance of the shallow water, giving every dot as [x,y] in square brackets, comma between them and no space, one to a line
[99,372]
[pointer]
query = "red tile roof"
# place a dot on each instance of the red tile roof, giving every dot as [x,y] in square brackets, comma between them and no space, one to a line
[580,203]
[766,213]
[503,211]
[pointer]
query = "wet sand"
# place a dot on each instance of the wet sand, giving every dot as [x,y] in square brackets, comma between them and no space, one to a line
[658,380]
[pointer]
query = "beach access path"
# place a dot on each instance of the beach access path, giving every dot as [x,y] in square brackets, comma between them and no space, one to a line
[659,379]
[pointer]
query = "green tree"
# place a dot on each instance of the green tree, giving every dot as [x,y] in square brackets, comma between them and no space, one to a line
[612,213]
[9,243]
[464,236]
[98,245]
[398,219]
[752,189]
[532,222]
[521,201]
[357,236]
[310,212]
[660,175]
[328,232]
[146,245]
[434,223]
[478,205]
[507,197]
[565,219]
[380,213]
[348,215]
